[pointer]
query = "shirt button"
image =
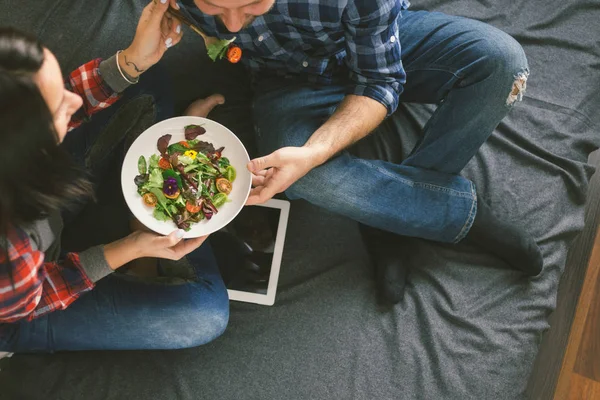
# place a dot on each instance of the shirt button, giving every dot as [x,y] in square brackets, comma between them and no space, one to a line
[305,64]
[393,39]
[261,38]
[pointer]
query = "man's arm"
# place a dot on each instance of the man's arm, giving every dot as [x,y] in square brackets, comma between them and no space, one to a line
[374,60]
[356,117]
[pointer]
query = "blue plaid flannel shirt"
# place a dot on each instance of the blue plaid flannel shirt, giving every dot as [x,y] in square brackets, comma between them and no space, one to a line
[317,40]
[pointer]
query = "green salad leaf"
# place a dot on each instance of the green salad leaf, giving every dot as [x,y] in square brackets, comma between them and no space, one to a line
[142,168]
[218,49]
[153,161]
[159,214]
[185,160]
[162,200]
[176,148]
[156,178]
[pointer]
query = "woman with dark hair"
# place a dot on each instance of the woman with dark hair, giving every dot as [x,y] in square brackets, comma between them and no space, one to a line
[43,301]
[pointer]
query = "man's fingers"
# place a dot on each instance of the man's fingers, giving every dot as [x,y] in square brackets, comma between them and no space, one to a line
[174,4]
[262,172]
[254,197]
[260,195]
[258,180]
[270,160]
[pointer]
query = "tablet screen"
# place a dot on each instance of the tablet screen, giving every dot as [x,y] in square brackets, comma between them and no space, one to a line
[248,250]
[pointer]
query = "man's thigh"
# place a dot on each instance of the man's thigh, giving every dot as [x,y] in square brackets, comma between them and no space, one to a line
[440,50]
[288,112]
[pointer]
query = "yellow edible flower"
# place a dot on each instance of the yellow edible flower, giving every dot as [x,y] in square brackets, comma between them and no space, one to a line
[191,154]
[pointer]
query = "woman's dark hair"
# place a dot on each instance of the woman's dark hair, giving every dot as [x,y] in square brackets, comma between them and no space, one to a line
[37,176]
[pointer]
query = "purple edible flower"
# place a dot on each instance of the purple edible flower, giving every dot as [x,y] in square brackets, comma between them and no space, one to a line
[170,186]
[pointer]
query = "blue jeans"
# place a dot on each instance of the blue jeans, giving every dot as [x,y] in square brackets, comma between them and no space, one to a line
[466,67]
[124,312]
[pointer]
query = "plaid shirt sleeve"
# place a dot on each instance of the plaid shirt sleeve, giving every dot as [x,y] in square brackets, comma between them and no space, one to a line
[37,287]
[373,50]
[97,95]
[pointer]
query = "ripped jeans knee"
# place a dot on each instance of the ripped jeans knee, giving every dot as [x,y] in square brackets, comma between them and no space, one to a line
[518,88]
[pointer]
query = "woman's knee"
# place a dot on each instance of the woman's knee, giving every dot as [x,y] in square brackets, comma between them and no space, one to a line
[198,322]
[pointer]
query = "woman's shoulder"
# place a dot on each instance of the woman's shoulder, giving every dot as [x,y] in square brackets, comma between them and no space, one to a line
[40,234]
[16,241]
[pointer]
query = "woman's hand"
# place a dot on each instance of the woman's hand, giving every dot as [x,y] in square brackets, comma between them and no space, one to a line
[157,30]
[145,244]
[171,247]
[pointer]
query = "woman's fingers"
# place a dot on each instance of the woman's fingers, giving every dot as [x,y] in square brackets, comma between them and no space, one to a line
[165,27]
[171,31]
[170,240]
[186,246]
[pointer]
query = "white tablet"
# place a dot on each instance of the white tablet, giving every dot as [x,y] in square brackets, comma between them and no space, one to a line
[249,251]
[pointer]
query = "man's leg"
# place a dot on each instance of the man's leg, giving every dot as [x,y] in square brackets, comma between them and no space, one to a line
[126,313]
[397,198]
[475,72]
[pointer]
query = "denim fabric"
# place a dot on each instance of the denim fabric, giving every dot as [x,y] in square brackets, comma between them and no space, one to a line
[126,313]
[466,67]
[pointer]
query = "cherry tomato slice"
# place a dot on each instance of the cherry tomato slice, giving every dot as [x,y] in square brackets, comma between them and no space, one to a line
[193,208]
[234,54]
[163,163]
[223,185]
[150,199]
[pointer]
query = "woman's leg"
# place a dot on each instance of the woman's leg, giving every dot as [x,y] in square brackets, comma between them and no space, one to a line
[125,313]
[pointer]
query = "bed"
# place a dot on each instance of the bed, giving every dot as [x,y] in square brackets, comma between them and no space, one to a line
[468,327]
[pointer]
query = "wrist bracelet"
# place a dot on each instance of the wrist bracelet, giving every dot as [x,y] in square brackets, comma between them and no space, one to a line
[129,79]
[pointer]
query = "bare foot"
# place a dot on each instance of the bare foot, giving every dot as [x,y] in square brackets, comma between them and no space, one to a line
[201,107]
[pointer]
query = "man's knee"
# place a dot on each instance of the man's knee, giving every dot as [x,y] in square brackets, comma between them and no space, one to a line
[505,59]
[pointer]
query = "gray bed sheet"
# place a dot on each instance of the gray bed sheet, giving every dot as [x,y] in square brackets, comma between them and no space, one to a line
[468,328]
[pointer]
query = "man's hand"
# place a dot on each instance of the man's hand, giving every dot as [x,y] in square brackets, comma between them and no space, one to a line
[157,31]
[277,171]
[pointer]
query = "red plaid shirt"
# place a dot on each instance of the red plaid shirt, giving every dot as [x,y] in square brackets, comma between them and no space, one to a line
[39,287]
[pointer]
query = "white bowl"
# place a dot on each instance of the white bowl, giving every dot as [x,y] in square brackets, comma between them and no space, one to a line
[216,134]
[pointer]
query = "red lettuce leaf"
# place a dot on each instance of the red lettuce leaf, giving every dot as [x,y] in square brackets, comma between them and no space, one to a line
[193,131]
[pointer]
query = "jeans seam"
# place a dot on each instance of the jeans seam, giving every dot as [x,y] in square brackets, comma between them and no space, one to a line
[471,217]
[436,68]
[428,186]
